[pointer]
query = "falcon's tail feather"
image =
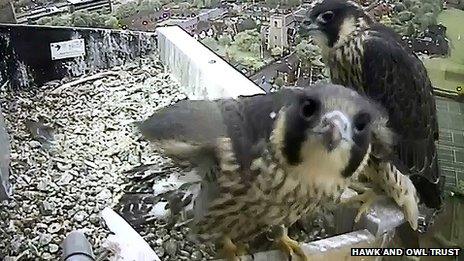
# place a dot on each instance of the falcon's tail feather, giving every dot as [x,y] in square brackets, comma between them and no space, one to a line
[157,194]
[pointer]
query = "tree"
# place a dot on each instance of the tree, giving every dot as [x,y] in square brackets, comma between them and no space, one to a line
[272,3]
[82,19]
[111,22]
[199,3]
[308,53]
[279,81]
[211,3]
[149,5]
[211,43]
[245,39]
[45,20]
[410,29]
[126,10]
[386,20]
[293,3]
[405,16]
[255,48]
[399,7]
[251,62]
[426,20]
[225,40]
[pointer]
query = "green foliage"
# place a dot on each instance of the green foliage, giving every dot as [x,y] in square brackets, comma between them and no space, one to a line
[279,81]
[272,3]
[308,53]
[386,20]
[82,19]
[211,43]
[410,29]
[225,40]
[255,47]
[292,3]
[111,22]
[400,7]
[245,39]
[44,20]
[126,10]
[413,16]
[211,3]
[253,63]
[149,5]
[405,16]
[427,19]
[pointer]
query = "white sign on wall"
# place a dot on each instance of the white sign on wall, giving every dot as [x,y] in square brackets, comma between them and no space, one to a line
[67,49]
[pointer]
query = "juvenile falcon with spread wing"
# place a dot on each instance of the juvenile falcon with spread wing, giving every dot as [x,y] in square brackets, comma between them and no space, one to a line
[268,159]
[370,58]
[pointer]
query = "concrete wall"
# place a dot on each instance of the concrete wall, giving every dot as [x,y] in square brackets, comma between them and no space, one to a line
[27,56]
[201,72]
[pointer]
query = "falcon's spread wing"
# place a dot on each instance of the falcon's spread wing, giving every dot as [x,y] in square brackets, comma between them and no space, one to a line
[206,133]
[200,123]
[398,79]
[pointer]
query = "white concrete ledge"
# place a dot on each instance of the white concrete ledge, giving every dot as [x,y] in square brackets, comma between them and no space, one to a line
[201,73]
[333,248]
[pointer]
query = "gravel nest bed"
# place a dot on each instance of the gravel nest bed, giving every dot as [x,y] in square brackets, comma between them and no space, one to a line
[80,162]
[63,184]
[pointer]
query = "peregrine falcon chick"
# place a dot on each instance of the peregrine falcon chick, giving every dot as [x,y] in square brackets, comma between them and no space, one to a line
[370,58]
[268,159]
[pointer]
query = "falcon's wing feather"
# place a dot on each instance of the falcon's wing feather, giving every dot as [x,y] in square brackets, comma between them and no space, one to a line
[194,121]
[190,127]
[398,79]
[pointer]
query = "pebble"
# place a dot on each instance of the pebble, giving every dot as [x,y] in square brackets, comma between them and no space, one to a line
[54,228]
[53,248]
[197,255]
[104,195]
[80,216]
[65,179]
[171,247]
[35,144]
[94,219]
[45,239]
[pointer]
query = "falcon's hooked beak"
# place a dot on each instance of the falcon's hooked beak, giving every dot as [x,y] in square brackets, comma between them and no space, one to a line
[334,128]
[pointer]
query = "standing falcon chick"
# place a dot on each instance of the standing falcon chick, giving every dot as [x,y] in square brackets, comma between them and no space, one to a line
[371,58]
[266,160]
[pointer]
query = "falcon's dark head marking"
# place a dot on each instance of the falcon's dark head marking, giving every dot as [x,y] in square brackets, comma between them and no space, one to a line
[330,21]
[331,125]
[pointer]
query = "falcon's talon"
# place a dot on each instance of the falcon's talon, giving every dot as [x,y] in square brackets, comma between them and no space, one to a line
[290,246]
[242,249]
[229,250]
[367,198]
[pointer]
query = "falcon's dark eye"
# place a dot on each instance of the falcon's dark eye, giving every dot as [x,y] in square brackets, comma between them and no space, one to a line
[308,108]
[361,120]
[327,16]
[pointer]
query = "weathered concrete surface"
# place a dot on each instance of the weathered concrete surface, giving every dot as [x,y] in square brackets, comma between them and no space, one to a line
[201,72]
[27,61]
[5,188]
[333,248]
